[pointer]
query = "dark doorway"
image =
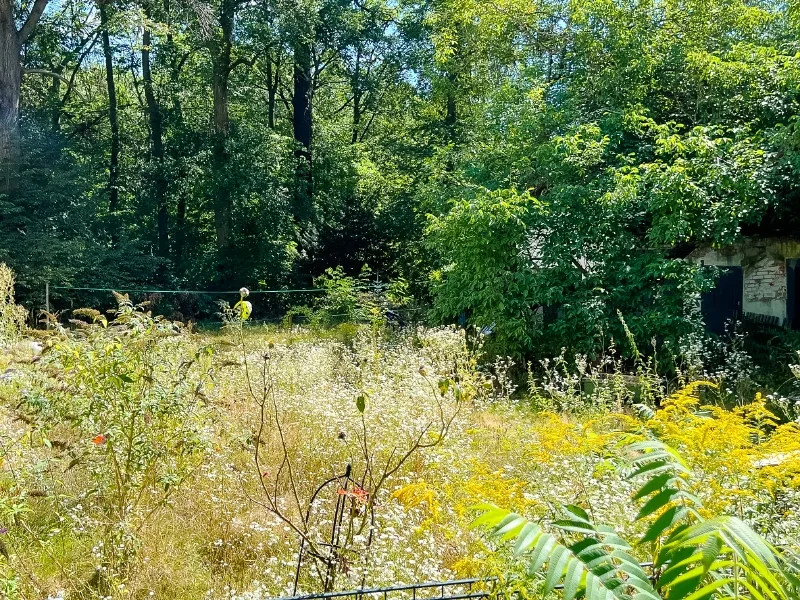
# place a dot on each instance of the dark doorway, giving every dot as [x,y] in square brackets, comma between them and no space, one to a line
[723,304]
[793,293]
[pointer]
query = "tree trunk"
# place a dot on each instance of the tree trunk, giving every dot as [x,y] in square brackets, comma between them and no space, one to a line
[273,80]
[62,102]
[220,74]
[11,42]
[113,163]
[452,71]
[175,120]
[302,128]
[451,116]
[156,147]
[10,86]
[55,102]
[180,229]
[356,85]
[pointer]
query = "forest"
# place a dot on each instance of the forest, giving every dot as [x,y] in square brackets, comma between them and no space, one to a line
[503,158]
[468,299]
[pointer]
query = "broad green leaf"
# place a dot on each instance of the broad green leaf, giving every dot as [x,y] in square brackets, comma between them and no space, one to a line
[708,590]
[711,550]
[541,552]
[577,512]
[657,502]
[663,523]
[572,578]
[656,483]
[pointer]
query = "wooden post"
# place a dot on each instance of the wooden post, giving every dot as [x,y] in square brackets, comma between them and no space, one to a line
[47,303]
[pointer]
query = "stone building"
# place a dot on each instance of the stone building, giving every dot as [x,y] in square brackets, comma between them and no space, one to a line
[759,281]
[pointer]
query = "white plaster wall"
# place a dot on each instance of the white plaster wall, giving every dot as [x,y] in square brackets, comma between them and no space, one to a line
[714,258]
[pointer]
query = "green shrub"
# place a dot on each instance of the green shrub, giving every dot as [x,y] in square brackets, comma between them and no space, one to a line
[128,393]
[346,299]
[487,273]
[12,316]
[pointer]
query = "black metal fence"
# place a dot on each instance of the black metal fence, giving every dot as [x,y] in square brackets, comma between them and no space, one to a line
[457,589]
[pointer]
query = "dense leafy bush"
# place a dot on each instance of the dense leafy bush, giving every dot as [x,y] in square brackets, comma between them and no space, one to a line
[487,269]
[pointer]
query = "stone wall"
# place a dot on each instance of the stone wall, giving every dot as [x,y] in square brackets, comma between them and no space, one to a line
[765,280]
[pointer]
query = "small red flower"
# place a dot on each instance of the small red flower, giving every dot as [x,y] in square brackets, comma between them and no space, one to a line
[361,494]
[358,494]
[99,439]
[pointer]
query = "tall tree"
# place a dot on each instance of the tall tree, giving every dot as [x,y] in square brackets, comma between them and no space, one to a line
[156,122]
[302,127]
[11,42]
[221,65]
[113,115]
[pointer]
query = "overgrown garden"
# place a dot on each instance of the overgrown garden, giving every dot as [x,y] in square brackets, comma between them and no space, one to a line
[142,459]
[311,295]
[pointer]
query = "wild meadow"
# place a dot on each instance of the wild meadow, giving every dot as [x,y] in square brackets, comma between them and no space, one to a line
[142,459]
[532,276]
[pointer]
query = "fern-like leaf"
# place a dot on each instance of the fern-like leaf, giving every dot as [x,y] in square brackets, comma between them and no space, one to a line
[597,567]
[697,559]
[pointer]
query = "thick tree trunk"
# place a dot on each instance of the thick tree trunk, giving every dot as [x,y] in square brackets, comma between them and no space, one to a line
[303,130]
[156,120]
[10,85]
[220,74]
[113,162]
[11,42]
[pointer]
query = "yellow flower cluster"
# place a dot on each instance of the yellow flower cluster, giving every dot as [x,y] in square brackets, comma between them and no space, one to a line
[735,454]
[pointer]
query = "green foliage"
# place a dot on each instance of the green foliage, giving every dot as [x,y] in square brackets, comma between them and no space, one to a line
[12,316]
[539,167]
[345,299]
[692,556]
[129,393]
[485,248]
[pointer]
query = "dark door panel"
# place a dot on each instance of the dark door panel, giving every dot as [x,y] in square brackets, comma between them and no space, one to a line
[793,293]
[723,304]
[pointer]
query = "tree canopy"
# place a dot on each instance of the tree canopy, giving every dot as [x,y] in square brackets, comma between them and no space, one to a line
[513,160]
